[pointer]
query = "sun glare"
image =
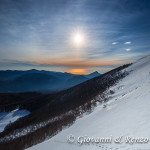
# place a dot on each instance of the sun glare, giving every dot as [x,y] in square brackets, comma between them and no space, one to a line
[78,38]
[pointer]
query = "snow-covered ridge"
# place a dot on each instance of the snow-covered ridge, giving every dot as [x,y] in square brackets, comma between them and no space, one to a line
[29,129]
[126,114]
[9,117]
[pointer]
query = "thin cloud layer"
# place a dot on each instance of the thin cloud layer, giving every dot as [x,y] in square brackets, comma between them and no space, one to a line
[42,31]
[127,43]
[114,43]
[128,49]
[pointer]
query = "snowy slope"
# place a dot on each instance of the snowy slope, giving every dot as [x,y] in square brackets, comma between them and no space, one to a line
[127,113]
[7,117]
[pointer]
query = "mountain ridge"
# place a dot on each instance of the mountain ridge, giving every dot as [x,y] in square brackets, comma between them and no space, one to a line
[66,105]
[34,80]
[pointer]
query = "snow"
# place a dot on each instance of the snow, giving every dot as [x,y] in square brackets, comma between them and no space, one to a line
[26,130]
[126,114]
[7,117]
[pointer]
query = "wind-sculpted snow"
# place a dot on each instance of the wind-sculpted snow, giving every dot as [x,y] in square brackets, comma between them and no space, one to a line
[9,117]
[126,115]
[31,128]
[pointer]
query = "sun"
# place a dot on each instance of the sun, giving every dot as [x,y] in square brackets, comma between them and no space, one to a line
[78,38]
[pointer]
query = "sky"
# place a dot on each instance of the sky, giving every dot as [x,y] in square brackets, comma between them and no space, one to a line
[42,34]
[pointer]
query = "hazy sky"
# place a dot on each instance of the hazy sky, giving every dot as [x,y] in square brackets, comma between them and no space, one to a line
[40,34]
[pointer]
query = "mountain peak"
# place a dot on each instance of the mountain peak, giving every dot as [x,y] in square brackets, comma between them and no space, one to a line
[93,74]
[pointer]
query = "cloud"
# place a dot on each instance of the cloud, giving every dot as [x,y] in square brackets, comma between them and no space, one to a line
[128,42]
[46,38]
[114,43]
[67,64]
[128,49]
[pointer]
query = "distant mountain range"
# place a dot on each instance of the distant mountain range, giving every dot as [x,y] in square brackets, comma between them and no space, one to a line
[35,80]
[49,113]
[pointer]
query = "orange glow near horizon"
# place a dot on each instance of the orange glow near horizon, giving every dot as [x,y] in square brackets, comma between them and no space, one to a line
[78,71]
[77,63]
